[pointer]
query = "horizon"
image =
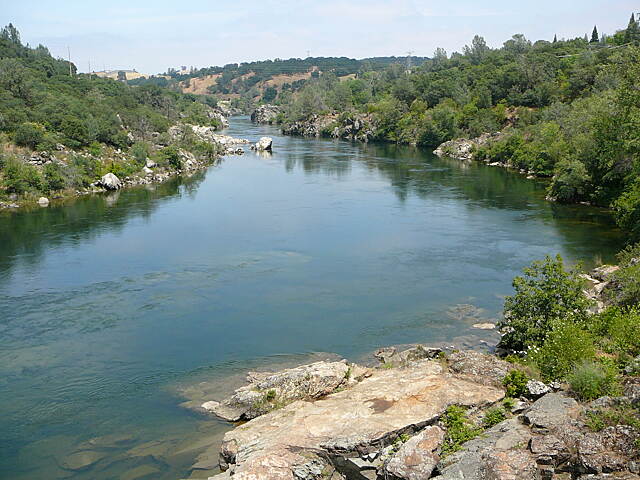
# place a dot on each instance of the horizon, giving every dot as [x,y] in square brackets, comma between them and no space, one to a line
[153,37]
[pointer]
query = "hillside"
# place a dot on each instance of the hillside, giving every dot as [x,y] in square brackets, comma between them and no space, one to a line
[265,80]
[62,131]
[564,109]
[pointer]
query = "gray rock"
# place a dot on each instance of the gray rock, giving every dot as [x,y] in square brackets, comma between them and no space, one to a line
[500,453]
[110,182]
[81,460]
[416,458]
[390,356]
[43,201]
[536,388]
[265,144]
[268,392]
[265,114]
[552,410]
[481,365]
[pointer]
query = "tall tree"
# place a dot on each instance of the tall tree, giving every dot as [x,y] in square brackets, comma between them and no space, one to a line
[595,37]
[555,38]
[632,33]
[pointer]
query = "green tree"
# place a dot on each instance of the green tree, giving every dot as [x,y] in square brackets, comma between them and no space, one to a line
[29,135]
[595,37]
[546,294]
[632,33]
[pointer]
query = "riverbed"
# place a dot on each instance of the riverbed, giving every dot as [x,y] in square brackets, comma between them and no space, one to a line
[116,306]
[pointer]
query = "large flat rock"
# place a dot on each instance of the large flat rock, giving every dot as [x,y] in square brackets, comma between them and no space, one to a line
[363,418]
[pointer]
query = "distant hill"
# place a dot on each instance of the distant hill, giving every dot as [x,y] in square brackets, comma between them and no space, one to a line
[263,80]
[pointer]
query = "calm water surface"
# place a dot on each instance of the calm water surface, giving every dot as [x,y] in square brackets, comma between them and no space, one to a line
[113,304]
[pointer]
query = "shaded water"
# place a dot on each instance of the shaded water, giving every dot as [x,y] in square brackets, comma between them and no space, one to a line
[111,304]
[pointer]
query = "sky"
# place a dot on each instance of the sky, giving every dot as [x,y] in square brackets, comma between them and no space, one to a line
[153,35]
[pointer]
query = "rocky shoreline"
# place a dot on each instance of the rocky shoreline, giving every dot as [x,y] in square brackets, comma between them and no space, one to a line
[422,412]
[340,420]
[151,172]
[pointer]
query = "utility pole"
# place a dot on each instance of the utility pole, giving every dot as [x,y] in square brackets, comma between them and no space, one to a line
[69,55]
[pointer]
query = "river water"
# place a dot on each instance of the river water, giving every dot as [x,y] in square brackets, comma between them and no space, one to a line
[113,306]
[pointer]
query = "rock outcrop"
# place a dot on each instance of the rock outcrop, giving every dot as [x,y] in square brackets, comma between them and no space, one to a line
[266,114]
[229,145]
[347,429]
[352,126]
[462,149]
[266,392]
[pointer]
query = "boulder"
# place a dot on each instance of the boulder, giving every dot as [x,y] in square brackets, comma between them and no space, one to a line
[462,149]
[552,411]
[81,460]
[359,420]
[265,114]
[265,144]
[110,182]
[150,163]
[43,201]
[481,365]
[147,170]
[500,453]
[264,393]
[416,458]
[537,389]
[391,357]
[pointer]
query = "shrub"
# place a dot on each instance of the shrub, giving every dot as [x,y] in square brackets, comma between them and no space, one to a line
[591,380]
[617,330]
[566,345]
[171,156]
[459,429]
[570,182]
[516,383]
[609,417]
[627,278]
[20,178]
[53,177]
[140,152]
[547,293]
[493,416]
[29,135]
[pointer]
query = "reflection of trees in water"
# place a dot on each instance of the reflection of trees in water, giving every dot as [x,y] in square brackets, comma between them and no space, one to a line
[27,233]
[415,171]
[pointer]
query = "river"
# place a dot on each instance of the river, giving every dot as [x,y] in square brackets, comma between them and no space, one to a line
[112,306]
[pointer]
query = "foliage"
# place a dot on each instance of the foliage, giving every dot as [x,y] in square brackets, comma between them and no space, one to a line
[54,178]
[591,380]
[627,278]
[566,345]
[617,329]
[459,429]
[171,156]
[622,415]
[493,416]
[515,383]
[20,177]
[29,135]
[545,295]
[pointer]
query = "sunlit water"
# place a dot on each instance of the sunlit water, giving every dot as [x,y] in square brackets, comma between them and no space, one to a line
[111,305]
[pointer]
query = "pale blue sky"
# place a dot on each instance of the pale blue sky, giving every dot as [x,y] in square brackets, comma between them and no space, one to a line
[152,35]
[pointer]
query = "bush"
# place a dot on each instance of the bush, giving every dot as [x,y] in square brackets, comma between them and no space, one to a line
[515,383]
[140,152]
[546,294]
[171,156]
[493,416]
[617,330]
[591,380]
[459,429]
[53,177]
[627,279]
[29,135]
[20,178]
[570,182]
[566,345]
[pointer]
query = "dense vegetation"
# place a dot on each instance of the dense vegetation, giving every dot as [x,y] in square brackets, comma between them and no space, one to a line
[103,125]
[566,109]
[549,325]
[244,78]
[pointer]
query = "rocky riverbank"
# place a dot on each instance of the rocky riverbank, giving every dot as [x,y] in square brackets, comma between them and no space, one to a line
[187,163]
[427,412]
[351,126]
[340,420]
